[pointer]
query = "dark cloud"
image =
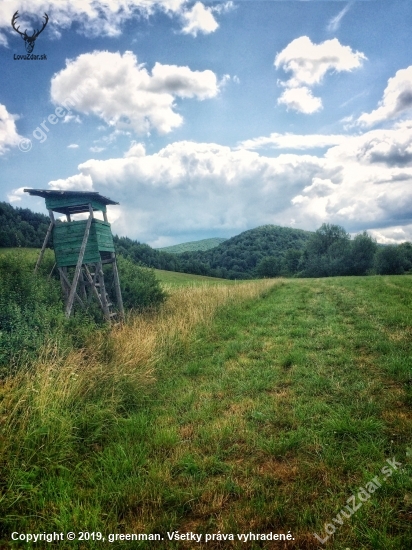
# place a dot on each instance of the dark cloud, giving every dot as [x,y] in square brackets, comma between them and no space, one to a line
[394,157]
[404,101]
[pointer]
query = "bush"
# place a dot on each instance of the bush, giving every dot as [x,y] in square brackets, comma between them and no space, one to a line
[30,308]
[140,288]
[389,260]
[31,313]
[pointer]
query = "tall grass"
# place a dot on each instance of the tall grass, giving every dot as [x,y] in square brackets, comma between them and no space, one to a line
[63,406]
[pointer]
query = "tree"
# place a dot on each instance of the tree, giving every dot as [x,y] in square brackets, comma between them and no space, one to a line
[363,250]
[327,252]
[389,260]
[291,261]
[406,252]
[327,235]
[269,267]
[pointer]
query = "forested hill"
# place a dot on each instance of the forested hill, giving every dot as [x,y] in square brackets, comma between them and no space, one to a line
[240,256]
[235,258]
[193,246]
[21,227]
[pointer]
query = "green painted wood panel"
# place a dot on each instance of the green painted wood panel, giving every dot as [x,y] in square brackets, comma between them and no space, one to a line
[68,238]
[56,203]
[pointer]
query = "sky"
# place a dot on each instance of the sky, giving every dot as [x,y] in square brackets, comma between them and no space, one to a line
[205,119]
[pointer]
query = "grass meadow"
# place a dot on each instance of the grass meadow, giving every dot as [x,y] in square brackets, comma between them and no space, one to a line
[254,407]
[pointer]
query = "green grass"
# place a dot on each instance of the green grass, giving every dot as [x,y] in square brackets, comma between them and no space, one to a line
[267,421]
[165,277]
[184,279]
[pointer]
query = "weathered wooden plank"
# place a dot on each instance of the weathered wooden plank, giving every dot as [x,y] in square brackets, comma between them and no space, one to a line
[64,201]
[67,239]
[46,240]
[118,291]
[79,263]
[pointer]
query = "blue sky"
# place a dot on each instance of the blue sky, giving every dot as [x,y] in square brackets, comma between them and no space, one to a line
[206,119]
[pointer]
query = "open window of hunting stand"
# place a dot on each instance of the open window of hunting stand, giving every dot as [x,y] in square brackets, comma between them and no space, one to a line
[82,248]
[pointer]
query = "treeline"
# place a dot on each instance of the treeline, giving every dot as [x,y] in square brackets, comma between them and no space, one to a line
[21,227]
[330,252]
[266,251]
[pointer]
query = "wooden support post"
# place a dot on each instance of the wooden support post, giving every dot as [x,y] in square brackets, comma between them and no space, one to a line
[103,297]
[63,279]
[79,264]
[67,286]
[92,282]
[117,288]
[82,283]
[46,240]
[51,272]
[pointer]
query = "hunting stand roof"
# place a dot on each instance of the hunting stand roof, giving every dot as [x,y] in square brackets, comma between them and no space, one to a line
[71,202]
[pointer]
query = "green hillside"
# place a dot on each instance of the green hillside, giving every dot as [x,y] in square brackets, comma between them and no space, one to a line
[235,258]
[193,246]
[239,257]
[21,227]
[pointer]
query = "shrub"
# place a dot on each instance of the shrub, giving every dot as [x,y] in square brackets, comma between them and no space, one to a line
[140,287]
[389,260]
[31,313]
[30,308]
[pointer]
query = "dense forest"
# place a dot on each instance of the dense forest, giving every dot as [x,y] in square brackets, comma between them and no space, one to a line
[266,251]
[21,227]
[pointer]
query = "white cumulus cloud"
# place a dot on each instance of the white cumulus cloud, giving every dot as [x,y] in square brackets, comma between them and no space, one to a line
[293,141]
[9,136]
[300,99]
[397,99]
[125,95]
[359,182]
[308,63]
[105,17]
[199,19]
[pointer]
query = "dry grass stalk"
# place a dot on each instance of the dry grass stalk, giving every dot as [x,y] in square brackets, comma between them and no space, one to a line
[58,382]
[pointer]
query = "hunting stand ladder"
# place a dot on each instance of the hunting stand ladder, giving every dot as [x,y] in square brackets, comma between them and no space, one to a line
[85,245]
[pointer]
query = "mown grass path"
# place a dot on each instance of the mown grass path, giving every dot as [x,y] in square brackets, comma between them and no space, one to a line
[266,420]
[279,413]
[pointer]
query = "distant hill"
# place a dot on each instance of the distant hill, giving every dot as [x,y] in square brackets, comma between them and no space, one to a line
[193,246]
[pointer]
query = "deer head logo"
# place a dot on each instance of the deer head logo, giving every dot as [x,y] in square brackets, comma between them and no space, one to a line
[29,41]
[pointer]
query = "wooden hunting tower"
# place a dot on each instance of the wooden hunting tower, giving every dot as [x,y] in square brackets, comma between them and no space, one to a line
[85,245]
